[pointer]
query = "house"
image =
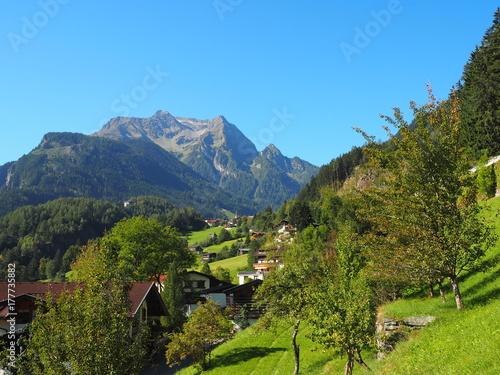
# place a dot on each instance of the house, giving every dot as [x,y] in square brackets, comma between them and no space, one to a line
[22,301]
[243,251]
[256,235]
[264,262]
[246,276]
[128,203]
[216,294]
[212,222]
[195,283]
[242,296]
[196,249]
[207,257]
[284,226]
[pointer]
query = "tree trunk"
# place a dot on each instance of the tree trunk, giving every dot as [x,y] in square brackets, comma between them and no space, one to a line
[359,359]
[456,291]
[431,289]
[296,348]
[349,364]
[441,290]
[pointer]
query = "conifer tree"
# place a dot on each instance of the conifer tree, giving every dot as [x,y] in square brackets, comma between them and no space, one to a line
[479,92]
[174,297]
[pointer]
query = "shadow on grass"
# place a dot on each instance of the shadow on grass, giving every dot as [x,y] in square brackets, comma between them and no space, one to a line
[486,266]
[239,355]
[477,288]
[484,298]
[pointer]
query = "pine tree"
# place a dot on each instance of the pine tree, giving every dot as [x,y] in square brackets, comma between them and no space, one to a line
[479,92]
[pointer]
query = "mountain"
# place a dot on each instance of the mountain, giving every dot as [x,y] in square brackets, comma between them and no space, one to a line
[76,165]
[221,153]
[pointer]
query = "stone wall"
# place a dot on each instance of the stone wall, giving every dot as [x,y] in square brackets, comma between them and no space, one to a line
[390,331]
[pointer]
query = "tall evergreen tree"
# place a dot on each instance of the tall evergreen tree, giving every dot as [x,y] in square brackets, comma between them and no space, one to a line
[174,297]
[479,92]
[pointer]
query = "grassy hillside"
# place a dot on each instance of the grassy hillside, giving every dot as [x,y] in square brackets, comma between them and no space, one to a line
[233,264]
[218,248]
[201,235]
[458,342]
[267,353]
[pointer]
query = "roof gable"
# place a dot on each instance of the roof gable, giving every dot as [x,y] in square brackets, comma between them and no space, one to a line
[139,292]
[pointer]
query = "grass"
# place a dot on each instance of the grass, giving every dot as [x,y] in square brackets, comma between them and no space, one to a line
[458,342]
[268,352]
[233,264]
[218,248]
[201,235]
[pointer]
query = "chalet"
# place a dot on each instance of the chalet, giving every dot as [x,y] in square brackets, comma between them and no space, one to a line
[216,294]
[196,249]
[236,297]
[243,251]
[256,235]
[207,257]
[246,276]
[195,283]
[144,298]
[265,262]
[242,296]
[284,226]
[212,222]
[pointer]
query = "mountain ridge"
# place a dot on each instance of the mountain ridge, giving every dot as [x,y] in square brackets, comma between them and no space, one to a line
[77,165]
[220,152]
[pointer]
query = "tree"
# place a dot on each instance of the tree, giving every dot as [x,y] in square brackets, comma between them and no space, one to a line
[479,94]
[224,236]
[206,327]
[344,306]
[300,215]
[205,268]
[146,248]
[486,178]
[222,273]
[284,294]
[87,330]
[423,206]
[174,297]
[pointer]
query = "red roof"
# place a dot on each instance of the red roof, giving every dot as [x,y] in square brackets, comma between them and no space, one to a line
[137,294]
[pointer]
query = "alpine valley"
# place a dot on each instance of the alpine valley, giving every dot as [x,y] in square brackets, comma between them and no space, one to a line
[207,164]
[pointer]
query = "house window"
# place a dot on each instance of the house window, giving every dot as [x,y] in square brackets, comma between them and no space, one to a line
[200,283]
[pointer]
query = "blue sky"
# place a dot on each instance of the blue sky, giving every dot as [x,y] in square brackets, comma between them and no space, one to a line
[298,74]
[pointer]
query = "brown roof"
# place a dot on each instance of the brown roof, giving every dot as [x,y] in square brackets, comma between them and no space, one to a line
[138,293]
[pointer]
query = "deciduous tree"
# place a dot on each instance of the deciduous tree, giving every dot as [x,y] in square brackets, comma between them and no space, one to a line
[206,327]
[146,248]
[344,310]
[284,294]
[423,207]
[87,330]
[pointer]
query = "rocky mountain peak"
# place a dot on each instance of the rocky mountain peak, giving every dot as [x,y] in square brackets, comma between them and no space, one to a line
[271,150]
[217,150]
